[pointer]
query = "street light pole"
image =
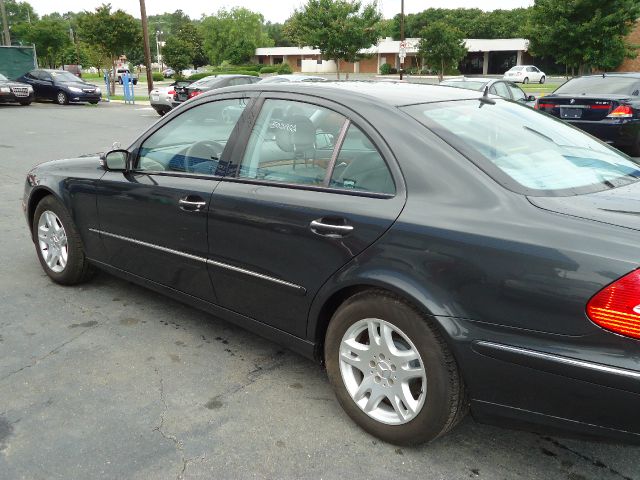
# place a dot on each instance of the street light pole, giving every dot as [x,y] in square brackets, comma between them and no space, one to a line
[147,50]
[401,35]
[5,25]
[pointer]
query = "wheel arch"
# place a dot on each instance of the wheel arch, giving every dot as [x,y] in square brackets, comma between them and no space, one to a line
[34,199]
[327,302]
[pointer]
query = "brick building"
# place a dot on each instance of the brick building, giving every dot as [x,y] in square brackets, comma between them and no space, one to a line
[632,64]
[485,56]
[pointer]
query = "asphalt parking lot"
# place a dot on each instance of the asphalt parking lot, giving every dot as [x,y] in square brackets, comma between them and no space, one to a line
[111,381]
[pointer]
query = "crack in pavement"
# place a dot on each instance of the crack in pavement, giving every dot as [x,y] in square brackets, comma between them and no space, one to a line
[44,357]
[252,376]
[168,436]
[593,461]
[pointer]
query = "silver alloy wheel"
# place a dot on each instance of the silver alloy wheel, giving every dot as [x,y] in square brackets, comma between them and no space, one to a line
[62,98]
[383,372]
[52,240]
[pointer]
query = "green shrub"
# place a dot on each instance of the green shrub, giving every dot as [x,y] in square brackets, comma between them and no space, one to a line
[411,71]
[393,71]
[269,69]
[198,76]
[157,77]
[284,69]
[385,69]
[252,67]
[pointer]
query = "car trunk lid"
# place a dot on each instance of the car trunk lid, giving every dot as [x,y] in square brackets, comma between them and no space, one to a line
[617,206]
[581,107]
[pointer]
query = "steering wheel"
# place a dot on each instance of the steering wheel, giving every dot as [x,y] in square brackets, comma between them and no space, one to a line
[203,151]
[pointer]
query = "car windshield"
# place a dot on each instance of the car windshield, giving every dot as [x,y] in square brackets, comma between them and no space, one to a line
[515,69]
[65,77]
[3,78]
[525,150]
[468,84]
[607,85]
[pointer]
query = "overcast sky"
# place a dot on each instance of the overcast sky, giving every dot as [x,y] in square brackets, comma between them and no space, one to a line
[274,10]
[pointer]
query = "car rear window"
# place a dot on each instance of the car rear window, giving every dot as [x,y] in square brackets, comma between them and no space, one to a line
[526,151]
[606,85]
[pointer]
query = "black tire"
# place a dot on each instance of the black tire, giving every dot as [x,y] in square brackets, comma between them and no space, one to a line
[120,81]
[135,82]
[525,80]
[542,79]
[25,104]
[445,403]
[77,269]
[93,102]
[62,98]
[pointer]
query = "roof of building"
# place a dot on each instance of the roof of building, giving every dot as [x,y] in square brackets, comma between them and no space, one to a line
[390,93]
[388,45]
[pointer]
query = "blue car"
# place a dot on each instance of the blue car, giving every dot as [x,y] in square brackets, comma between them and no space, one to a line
[60,86]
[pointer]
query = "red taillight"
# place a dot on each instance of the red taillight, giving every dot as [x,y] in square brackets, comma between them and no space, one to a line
[600,107]
[171,92]
[623,111]
[617,306]
[545,105]
[195,93]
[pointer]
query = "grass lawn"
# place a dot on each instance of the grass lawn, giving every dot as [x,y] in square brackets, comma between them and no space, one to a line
[121,97]
[536,87]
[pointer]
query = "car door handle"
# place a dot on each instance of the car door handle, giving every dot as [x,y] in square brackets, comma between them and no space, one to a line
[322,227]
[191,203]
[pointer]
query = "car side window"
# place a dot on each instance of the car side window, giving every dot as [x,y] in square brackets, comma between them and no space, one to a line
[359,166]
[518,94]
[291,142]
[194,141]
[499,88]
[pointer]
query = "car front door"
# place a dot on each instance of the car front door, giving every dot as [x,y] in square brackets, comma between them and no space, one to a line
[310,189]
[153,217]
[42,84]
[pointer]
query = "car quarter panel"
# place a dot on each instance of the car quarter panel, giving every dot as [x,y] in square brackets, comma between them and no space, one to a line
[525,268]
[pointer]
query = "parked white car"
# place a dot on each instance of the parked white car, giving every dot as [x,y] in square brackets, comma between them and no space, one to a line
[525,74]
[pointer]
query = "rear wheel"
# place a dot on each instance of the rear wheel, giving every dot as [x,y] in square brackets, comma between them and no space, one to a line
[61,98]
[526,80]
[58,243]
[392,371]
[93,102]
[542,79]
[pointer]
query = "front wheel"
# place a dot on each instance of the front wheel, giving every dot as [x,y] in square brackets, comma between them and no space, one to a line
[27,103]
[526,80]
[93,102]
[58,243]
[542,79]
[392,371]
[62,98]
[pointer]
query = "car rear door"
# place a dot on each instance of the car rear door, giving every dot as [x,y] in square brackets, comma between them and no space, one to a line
[312,186]
[153,218]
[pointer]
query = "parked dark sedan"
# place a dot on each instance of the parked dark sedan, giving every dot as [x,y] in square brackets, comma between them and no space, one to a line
[607,106]
[437,249]
[212,82]
[503,88]
[61,86]
[15,92]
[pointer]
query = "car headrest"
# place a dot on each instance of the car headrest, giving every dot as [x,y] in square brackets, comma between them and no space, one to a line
[296,133]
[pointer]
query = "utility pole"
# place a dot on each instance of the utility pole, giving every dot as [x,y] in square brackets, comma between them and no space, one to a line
[5,25]
[147,50]
[401,35]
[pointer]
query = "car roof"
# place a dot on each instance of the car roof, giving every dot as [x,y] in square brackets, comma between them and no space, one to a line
[612,74]
[390,93]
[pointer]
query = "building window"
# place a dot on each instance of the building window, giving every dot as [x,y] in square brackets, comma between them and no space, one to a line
[277,60]
[260,60]
[299,62]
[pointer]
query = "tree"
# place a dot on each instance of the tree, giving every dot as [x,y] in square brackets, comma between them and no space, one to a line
[50,38]
[340,29]
[441,46]
[275,31]
[176,54]
[233,35]
[112,32]
[19,16]
[583,33]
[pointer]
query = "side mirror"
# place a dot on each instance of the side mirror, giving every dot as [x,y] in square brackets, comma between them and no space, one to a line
[531,98]
[115,160]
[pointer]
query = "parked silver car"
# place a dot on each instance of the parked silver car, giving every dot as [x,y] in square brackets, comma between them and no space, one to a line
[162,97]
